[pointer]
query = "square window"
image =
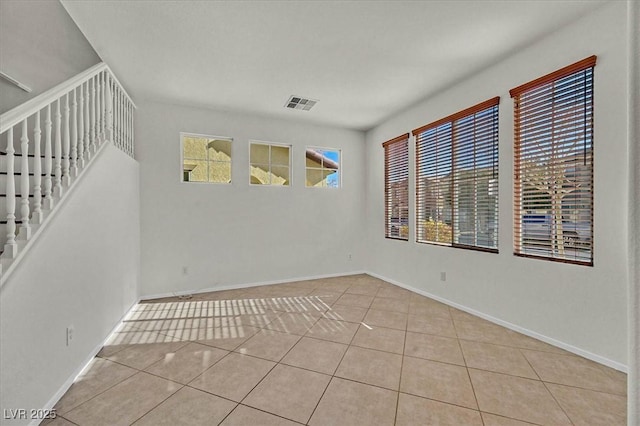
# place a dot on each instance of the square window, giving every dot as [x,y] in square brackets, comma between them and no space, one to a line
[270,164]
[206,158]
[323,168]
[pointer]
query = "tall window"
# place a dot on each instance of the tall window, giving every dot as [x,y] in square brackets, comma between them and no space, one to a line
[322,167]
[270,164]
[206,158]
[457,179]
[553,150]
[396,187]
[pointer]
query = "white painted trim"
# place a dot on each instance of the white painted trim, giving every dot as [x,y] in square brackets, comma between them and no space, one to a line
[15,82]
[27,109]
[67,384]
[633,141]
[249,285]
[573,349]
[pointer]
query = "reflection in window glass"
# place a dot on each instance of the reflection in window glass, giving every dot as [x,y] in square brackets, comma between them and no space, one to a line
[322,168]
[270,164]
[206,159]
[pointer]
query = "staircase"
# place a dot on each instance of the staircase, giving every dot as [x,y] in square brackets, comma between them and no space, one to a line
[46,144]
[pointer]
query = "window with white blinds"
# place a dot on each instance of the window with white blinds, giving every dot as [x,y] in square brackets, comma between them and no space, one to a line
[396,187]
[553,191]
[457,179]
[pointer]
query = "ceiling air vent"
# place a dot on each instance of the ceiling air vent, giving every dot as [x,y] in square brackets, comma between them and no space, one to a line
[297,102]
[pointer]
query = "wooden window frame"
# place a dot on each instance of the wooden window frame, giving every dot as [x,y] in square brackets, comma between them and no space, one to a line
[556,245]
[392,167]
[452,120]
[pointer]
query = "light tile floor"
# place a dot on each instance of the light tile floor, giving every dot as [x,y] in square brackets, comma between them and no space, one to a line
[352,350]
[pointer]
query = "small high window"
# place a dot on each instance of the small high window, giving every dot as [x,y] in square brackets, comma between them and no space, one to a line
[322,167]
[206,158]
[270,164]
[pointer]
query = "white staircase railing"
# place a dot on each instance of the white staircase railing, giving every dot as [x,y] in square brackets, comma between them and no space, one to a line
[77,116]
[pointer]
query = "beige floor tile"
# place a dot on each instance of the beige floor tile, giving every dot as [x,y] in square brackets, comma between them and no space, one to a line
[435,348]
[334,331]
[371,367]
[317,355]
[363,289]
[590,408]
[142,355]
[431,325]
[328,298]
[207,332]
[380,338]
[99,376]
[429,308]
[311,305]
[57,421]
[333,286]
[388,319]
[186,363]
[233,377]
[123,340]
[188,406]
[483,331]
[525,342]
[268,344]
[573,371]
[459,315]
[493,420]
[259,320]
[292,323]
[516,398]
[289,392]
[346,313]
[413,410]
[247,416]
[499,359]
[354,404]
[356,300]
[125,402]
[388,304]
[439,381]
[394,293]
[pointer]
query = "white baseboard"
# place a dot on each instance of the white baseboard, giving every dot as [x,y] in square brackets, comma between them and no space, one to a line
[567,347]
[248,285]
[67,384]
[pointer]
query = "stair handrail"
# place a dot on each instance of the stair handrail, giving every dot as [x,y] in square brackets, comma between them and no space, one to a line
[30,107]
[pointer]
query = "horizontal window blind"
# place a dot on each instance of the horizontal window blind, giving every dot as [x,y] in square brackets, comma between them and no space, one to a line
[553,149]
[396,187]
[457,179]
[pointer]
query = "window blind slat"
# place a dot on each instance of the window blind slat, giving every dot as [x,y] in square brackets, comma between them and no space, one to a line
[396,157]
[553,190]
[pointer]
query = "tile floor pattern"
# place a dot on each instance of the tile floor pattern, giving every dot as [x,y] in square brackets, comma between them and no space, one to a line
[352,350]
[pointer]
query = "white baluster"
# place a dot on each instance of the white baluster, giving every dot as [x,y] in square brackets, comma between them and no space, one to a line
[57,149]
[98,112]
[25,227]
[37,172]
[93,116]
[87,124]
[48,185]
[73,165]
[81,128]
[66,143]
[109,109]
[132,143]
[10,247]
[103,106]
[117,117]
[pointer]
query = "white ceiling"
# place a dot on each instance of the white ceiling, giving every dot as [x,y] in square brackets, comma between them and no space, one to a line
[363,60]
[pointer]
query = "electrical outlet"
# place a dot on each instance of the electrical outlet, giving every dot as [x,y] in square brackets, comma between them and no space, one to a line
[443,276]
[185,270]
[70,333]
[349,256]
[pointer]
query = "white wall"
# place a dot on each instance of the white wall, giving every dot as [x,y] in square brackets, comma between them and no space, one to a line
[240,234]
[584,307]
[40,46]
[82,270]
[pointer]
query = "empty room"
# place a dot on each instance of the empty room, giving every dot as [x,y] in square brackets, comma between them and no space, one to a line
[319,212]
